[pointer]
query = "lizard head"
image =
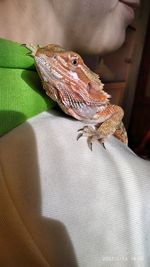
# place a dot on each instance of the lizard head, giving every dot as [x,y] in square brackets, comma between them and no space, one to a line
[68,80]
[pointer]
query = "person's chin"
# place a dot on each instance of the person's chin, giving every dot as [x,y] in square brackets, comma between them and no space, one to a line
[101,46]
[99,50]
[113,44]
[119,42]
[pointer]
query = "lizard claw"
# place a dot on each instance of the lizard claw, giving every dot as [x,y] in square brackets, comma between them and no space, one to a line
[32,48]
[30,53]
[101,141]
[79,135]
[91,134]
[90,144]
[24,45]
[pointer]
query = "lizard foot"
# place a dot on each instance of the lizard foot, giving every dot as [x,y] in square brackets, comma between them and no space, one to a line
[33,48]
[91,133]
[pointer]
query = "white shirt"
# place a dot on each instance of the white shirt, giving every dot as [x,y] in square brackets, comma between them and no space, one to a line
[63,205]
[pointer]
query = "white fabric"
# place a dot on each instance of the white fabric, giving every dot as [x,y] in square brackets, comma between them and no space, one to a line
[63,205]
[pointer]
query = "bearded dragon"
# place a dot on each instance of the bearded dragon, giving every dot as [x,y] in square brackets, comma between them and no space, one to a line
[79,92]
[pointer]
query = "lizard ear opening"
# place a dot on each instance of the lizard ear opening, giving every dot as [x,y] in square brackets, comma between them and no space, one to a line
[89,87]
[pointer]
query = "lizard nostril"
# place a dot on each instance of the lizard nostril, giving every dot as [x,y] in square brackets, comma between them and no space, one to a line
[54,56]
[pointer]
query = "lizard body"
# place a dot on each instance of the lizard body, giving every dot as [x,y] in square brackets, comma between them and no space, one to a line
[79,92]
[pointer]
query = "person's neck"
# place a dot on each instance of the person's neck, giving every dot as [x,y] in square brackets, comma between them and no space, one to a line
[34,22]
[29,22]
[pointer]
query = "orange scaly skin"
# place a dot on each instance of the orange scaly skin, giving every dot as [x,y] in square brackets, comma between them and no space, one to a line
[79,92]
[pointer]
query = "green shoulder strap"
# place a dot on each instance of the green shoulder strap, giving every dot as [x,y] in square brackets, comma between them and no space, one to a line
[21,94]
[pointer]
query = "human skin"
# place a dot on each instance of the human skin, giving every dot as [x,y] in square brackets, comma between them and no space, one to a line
[95,27]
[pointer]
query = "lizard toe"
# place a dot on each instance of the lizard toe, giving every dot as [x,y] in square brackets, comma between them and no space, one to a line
[92,135]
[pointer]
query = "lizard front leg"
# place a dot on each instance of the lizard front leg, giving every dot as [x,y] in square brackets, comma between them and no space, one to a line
[121,133]
[112,125]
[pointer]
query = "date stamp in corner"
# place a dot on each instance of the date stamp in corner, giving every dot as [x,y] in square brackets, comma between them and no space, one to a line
[122,259]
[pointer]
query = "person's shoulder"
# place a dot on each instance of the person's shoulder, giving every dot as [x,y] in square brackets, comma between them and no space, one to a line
[55,133]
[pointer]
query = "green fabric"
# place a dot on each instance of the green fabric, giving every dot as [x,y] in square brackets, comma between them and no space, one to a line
[21,94]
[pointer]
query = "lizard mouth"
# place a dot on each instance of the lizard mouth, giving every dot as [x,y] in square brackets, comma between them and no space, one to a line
[88,96]
[73,103]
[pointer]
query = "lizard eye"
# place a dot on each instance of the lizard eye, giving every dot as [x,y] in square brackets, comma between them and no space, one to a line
[74,61]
